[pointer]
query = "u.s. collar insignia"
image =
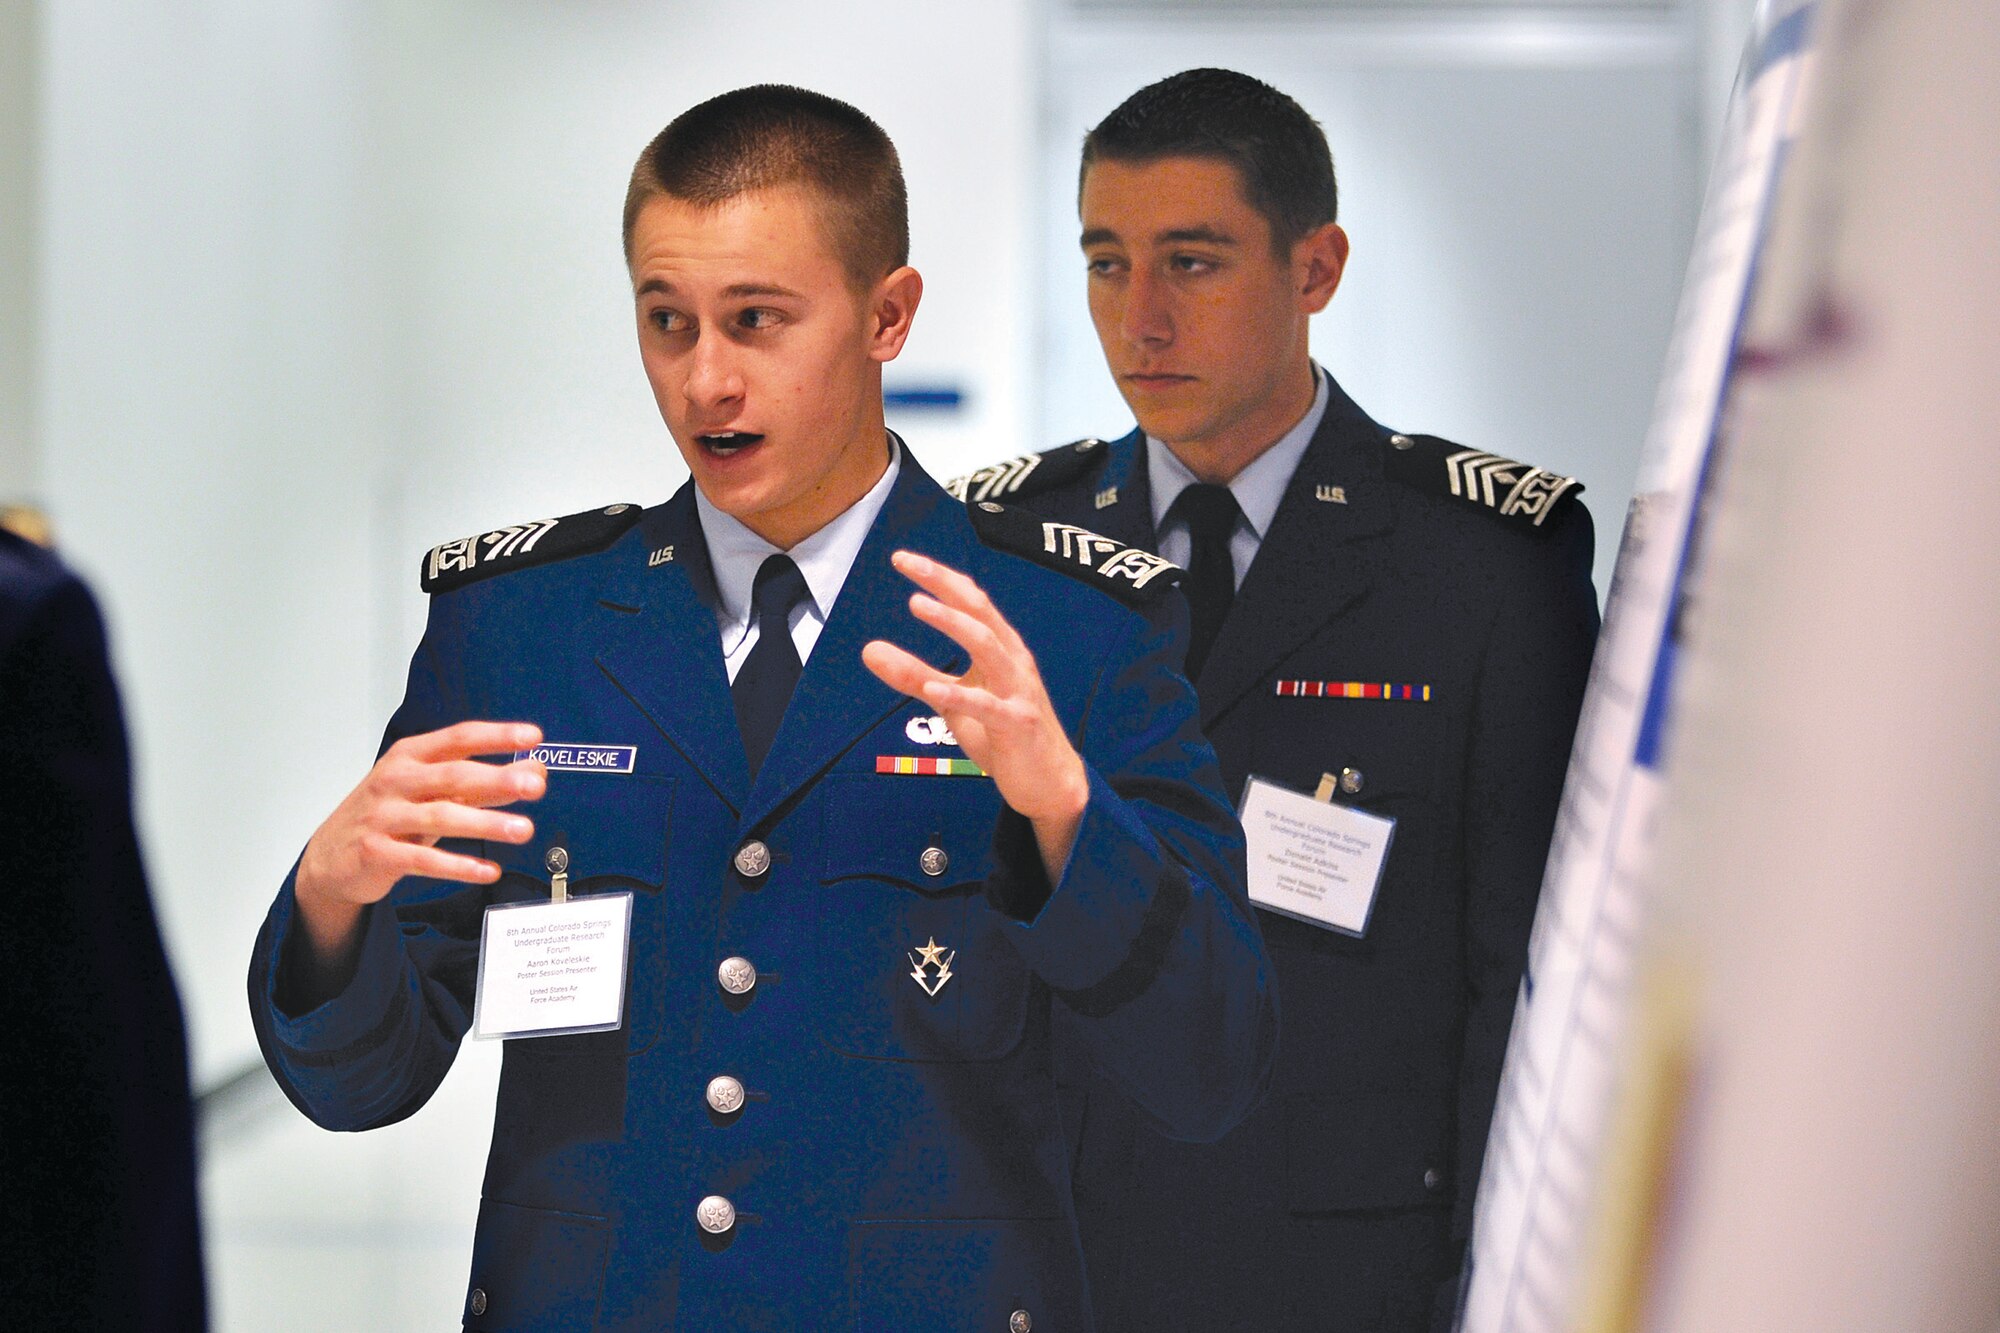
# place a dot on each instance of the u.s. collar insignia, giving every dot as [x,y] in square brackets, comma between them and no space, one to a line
[1333,495]
[930,966]
[1105,498]
[661,556]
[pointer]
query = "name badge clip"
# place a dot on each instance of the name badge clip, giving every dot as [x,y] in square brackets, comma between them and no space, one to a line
[558,864]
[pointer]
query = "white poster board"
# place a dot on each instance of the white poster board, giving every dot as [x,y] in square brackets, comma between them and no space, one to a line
[1547,1139]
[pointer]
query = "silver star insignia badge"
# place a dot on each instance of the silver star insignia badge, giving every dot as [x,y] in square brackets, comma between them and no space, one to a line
[930,966]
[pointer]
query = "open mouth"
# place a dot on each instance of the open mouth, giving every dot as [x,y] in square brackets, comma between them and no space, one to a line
[727,443]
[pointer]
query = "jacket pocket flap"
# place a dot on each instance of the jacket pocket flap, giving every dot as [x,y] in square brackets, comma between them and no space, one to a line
[612,831]
[925,833]
[535,1268]
[1387,1150]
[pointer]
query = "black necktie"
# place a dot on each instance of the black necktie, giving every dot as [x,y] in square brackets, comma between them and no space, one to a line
[1210,514]
[763,684]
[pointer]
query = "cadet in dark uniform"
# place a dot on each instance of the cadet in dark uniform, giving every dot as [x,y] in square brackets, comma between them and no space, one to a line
[1404,621]
[862,882]
[101,1228]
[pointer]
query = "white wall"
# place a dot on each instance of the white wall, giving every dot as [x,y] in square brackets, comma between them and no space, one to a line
[20,114]
[210,428]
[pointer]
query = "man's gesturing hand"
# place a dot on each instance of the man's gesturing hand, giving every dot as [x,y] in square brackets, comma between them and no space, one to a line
[998,709]
[423,788]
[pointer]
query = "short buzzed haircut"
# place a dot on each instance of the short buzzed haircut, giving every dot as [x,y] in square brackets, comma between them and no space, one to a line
[1279,151]
[772,135]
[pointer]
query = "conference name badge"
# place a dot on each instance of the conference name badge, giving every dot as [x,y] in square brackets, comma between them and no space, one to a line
[548,969]
[1311,859]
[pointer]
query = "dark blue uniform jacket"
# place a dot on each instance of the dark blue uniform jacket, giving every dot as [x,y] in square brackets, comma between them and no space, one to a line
[1343,1201]
[100,1229]
[899,1162]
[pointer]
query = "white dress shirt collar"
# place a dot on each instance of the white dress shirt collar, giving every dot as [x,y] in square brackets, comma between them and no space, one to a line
[736,553]
[1259,488]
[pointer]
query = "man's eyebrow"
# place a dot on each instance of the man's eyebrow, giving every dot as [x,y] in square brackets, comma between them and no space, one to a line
[761,289]
[734,290]
[1193,236]
[1196,235]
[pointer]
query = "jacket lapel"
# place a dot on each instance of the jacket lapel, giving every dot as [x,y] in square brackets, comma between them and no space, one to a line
[838,700]
[1318,558]
[1124,496]
[663,649]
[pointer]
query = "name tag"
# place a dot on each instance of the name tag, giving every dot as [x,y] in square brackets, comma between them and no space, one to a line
[551,968]
[559,758]
[1313,860]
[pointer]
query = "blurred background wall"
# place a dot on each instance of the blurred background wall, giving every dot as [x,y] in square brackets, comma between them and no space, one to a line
[292,291]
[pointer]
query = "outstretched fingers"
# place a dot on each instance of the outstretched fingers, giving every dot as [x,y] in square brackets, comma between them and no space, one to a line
[469,740]
[396,858]
[900,669]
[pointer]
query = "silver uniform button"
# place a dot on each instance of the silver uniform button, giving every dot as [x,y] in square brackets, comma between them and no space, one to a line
[617,509]
[1018,1322]
[1351,780]
[725,1095]
[557,860]
[478,1301]
[736,975]
[753,858]
[715,1214]
[934,861]
[1402,442]
[1432,1178]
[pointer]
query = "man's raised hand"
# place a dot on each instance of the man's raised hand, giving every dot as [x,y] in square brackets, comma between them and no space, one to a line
[998,709]
[422,789]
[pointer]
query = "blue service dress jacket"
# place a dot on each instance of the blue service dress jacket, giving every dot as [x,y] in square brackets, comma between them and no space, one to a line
[1344,1200]
[101,1228]
[898,1160]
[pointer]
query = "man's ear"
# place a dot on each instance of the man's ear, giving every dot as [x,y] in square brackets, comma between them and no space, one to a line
[1318,260]
[892,309]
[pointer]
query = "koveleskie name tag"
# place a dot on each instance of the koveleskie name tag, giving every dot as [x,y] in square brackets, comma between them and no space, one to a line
[562,758]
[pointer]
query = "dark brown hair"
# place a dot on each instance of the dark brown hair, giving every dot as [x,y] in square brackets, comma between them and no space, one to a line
[773,134]
[1279,152]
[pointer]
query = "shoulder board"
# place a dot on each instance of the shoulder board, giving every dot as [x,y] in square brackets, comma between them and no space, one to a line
[1523,495]
[525,545]
[1133,576]
[1030,474]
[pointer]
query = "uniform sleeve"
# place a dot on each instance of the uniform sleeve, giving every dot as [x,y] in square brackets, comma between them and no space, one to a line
[102,1229]
[1529,689]
[375,1052]
[1148,936]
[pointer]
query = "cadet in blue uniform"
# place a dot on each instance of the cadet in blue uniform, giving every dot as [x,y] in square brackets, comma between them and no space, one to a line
[1401,620]
[101,1228]
[886,794]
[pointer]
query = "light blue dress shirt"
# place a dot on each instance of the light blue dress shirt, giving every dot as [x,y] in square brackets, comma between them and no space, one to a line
[1258,488]
[736,554]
